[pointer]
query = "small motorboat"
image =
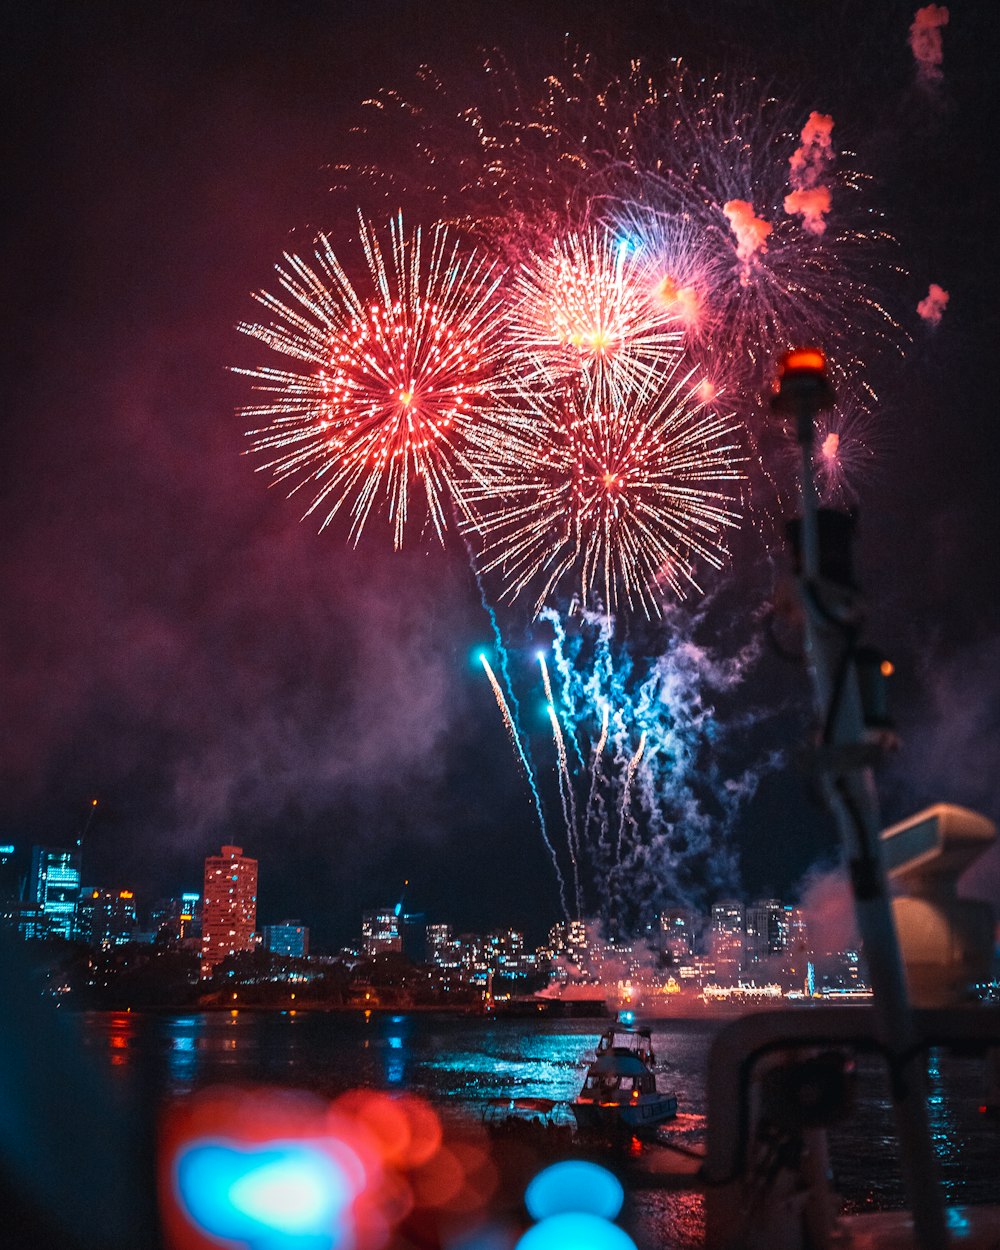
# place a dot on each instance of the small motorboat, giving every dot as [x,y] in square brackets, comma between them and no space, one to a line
[619,1094]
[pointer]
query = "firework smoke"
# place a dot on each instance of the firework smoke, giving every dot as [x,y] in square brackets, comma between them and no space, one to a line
[810,160]
[931,307]
[751,233]
[925,41]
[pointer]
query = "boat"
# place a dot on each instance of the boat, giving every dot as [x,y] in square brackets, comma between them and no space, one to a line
[619,1093]
[504,1112]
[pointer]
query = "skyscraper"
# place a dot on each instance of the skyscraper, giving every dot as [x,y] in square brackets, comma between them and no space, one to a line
[9,891]
[380,932]
[727,938]
[105,917]
[677,934]
[55,887]
[767,930]
[229,913]
[178,918]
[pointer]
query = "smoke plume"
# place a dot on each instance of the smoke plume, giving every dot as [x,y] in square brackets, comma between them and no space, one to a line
[932,307]
[925,41]
[751,232]
[809,197]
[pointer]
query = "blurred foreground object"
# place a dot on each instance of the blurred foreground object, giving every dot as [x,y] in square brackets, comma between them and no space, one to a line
[76,1153]
[267,1169]
[575,1203]
[946,941]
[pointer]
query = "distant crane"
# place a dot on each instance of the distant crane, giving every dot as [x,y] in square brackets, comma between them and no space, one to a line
[91,811]
[86,825]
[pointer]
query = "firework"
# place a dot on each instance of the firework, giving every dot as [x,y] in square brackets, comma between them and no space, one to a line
[586,311]
[786,246]
[505,712]
[525,762]
[847,445]
[389,375]
[656,804]
[623,498]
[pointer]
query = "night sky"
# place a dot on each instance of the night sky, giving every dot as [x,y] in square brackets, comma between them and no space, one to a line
[175,642]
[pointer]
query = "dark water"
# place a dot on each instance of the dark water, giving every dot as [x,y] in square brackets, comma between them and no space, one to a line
[460,1062]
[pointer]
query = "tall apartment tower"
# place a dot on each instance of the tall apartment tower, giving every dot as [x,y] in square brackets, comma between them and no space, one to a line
[55,887]
[381,932]
[229,912]
[727,939]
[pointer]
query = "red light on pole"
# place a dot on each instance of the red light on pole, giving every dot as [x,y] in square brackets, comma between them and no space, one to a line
[803,360]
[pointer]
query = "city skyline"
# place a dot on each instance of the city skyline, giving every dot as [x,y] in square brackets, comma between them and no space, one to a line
[224,917]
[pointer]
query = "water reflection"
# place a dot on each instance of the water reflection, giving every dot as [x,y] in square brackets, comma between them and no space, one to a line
[182,1037]
[465,1061]
[121,1030]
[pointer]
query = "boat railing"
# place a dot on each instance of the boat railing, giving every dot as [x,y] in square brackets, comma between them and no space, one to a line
[788,1199]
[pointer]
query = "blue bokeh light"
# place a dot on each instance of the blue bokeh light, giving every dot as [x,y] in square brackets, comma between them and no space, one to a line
[281,1195]
[575,1230]
[574,1186]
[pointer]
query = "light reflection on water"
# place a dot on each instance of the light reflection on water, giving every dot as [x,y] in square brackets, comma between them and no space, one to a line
[466,1061]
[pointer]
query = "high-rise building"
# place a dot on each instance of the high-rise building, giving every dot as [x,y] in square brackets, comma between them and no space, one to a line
[727,938]
[797,936]
[105,917]
[508,958]
[9,886]
[55,886]
[569,941]
[229,913]
[290,938]
[177,918]
[766,930]
[380,932]
[677,934]
[442,949]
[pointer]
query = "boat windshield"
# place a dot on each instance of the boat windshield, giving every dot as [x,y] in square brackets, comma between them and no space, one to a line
[605,1081]
[626,1042]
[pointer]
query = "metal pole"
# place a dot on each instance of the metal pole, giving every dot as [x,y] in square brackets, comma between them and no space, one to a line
[832,613]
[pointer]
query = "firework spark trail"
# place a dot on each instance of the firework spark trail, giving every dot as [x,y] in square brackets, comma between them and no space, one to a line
[390,375]
[585,311]
[625,810]
[504,710]
[536,797]
[565,676]
[567,795]
[568,802]
[623,499]
[565,784]
[497,637]
[660,805]
[595,772]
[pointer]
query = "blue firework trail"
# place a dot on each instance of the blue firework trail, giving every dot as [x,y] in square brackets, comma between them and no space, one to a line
[647,808]
[511,711]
